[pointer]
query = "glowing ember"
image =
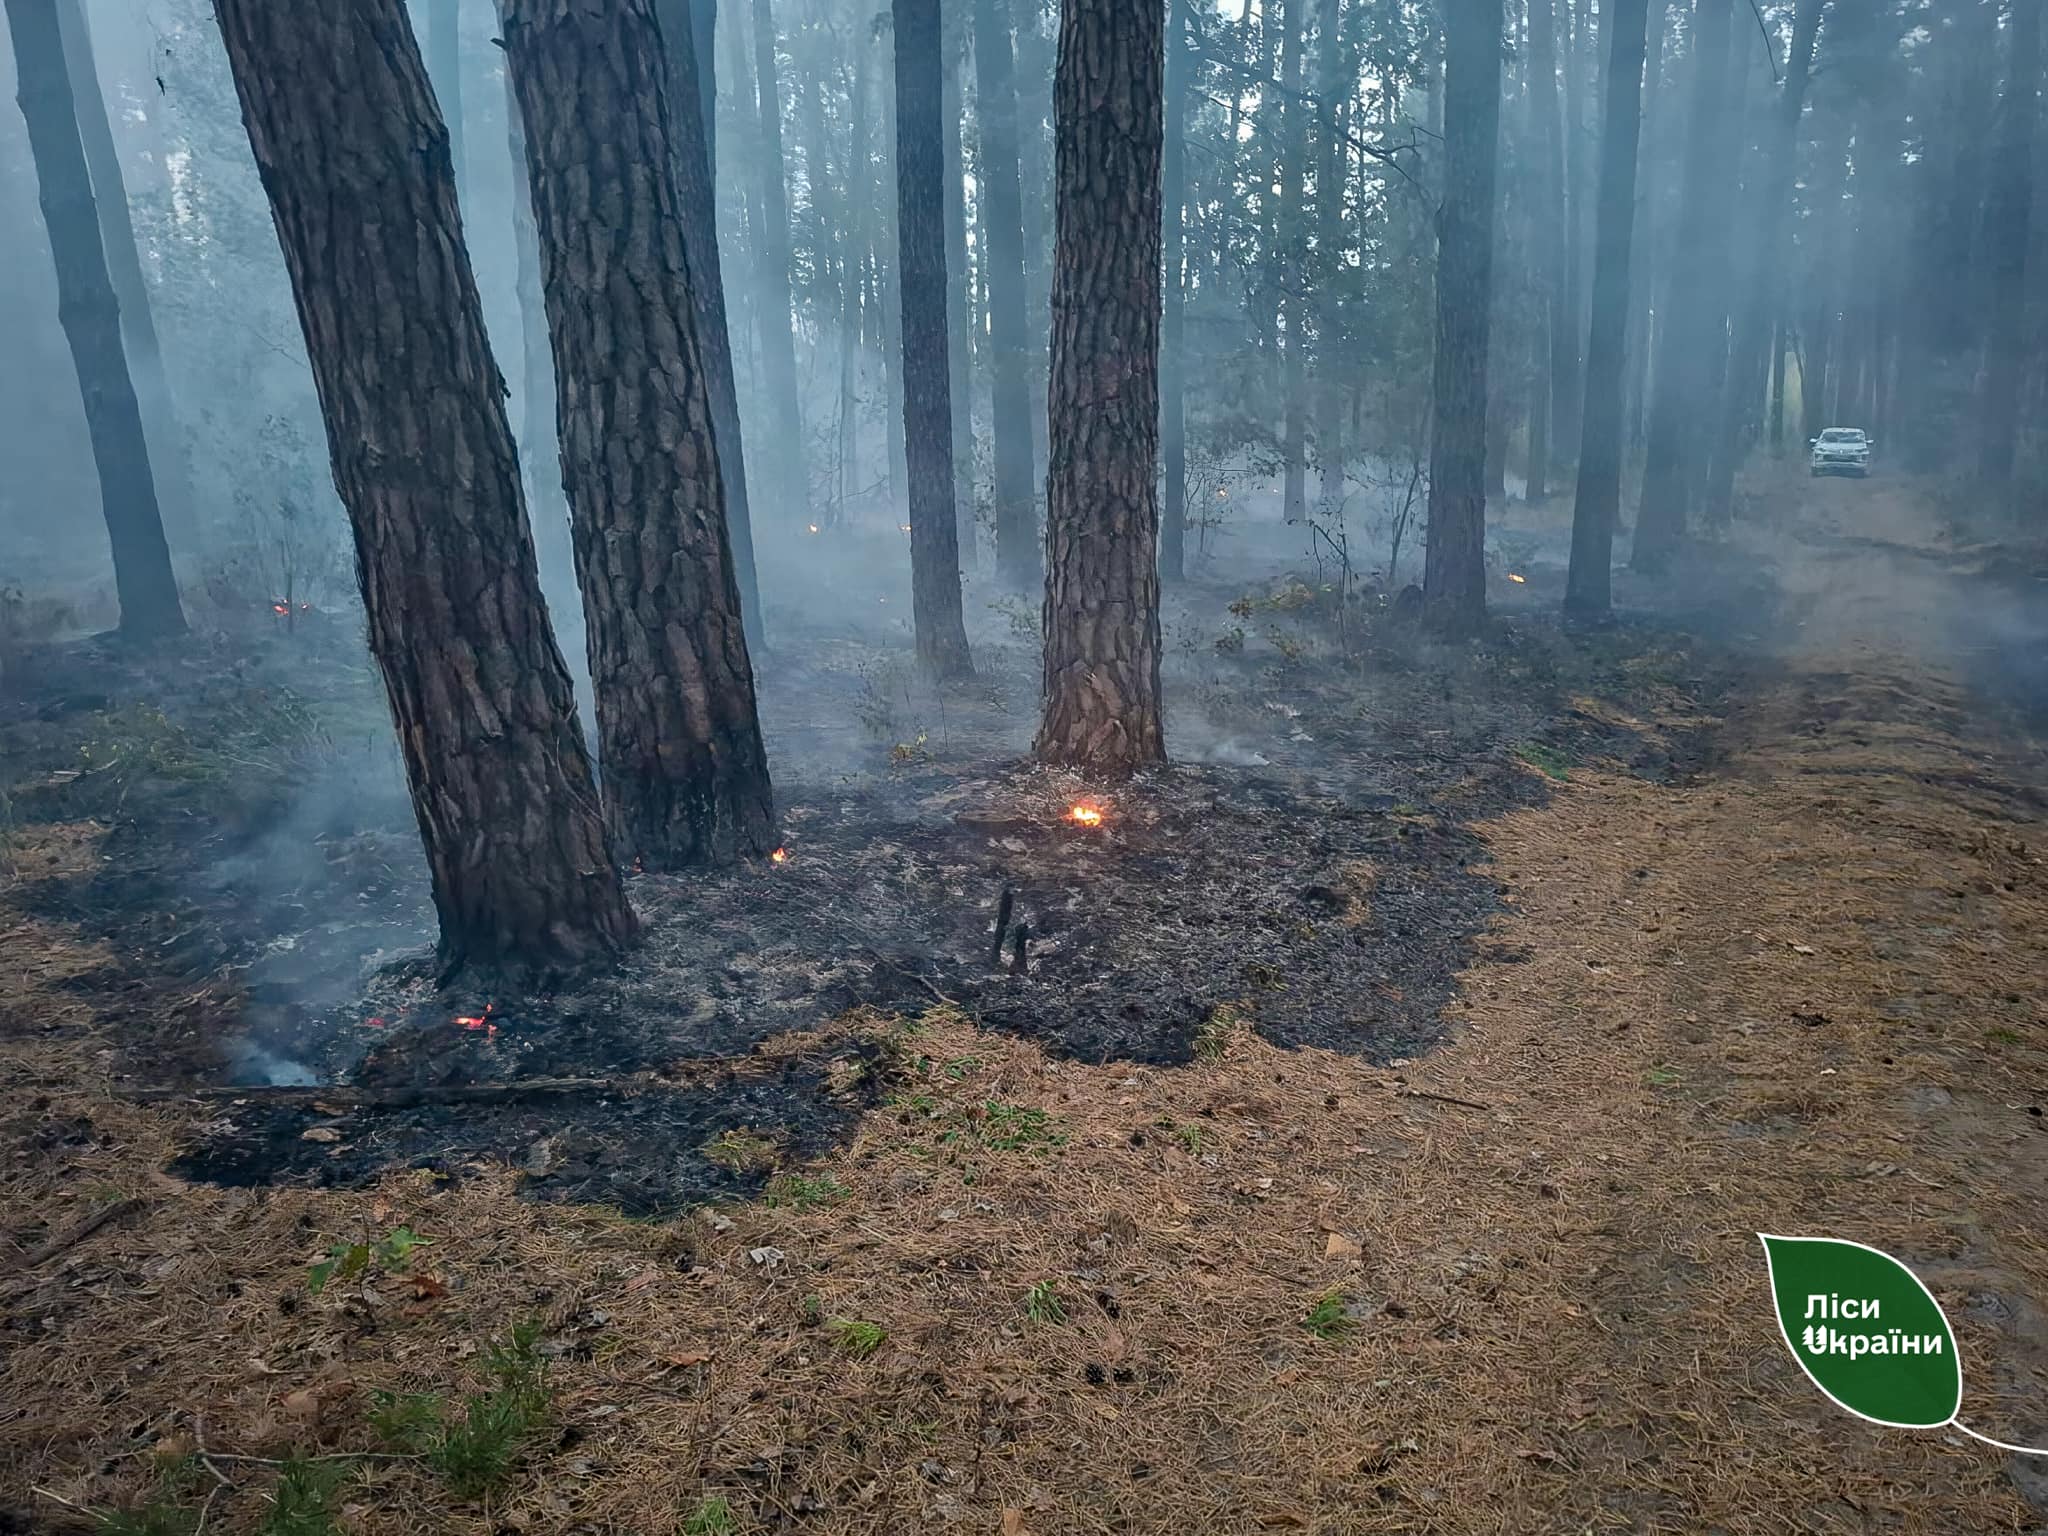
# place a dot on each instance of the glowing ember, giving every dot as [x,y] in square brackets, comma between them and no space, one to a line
[1086,815]
[779,856]
[904,526]
[1513,577]
[814,527]
[481,1021]
[280,607]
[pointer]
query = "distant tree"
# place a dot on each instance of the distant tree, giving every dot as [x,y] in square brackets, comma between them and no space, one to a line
[1173,429]
[686,28]
[340,117]
[1760,266]
[777,318]
[1553,382]
[1678,399]
[927,409]
[1102,704]
[124,266]
[1291,109]
[2007,213]
[679,741]
[444,68]
[1454,571]
[1588,584]
[1002,225]
[91,316]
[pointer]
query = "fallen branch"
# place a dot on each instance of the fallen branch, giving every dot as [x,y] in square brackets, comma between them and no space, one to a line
[80,1232]
[1441,1098]
[348,1097]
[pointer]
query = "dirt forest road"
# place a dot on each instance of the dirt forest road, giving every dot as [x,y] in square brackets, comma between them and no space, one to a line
[1800,993]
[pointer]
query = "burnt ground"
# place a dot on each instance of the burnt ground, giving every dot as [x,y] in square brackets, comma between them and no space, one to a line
[1765,958]
[1310,870]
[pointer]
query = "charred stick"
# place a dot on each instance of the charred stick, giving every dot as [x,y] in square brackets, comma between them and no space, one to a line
[1020,950]
[1003,910]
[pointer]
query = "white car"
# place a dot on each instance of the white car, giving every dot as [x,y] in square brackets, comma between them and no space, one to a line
[1841,451]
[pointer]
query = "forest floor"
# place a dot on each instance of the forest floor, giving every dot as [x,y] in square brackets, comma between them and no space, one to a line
[1425,1201]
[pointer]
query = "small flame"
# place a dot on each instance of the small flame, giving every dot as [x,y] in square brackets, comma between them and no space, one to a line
[779,856]
[814,527]
[280,607]
[373,1023]
[1086,815]
[904,526]
[482,1021]
[1513,576]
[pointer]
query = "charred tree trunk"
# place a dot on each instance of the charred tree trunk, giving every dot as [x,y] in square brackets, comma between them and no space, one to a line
[1575,61]
[1644,273]
[1758,273]
[685,774]
[927,410]
[692,95]
[1554,386]
[1588,586]
[1102,709]
[1672,466]
[1454,557]
[1002,207]
[2007,213]
[91,315]
[444,68]
[778,316]
[1173,427]
[124,267]
[1777,385]
[341,118]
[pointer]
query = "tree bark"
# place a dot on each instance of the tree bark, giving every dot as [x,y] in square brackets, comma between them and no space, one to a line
[2007,213]
[927,409]
[1572,198]
[777,315]
[1454,557]
[1102,698]
[91,316]
[1588,584]
[1643,277]
[1678,398]
[124,267]
[1002,209]
[1173,430]
[1759,271]
[685,773]
[692,103]
[341,118]
[444,68]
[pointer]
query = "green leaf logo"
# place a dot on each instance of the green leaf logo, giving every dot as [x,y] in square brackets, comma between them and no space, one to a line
[1867,1332]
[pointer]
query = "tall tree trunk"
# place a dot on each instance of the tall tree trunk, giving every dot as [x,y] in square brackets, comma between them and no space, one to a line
[692,95]
[1454,568]
[1645,251]
[960,307]
[1573,196]
[1331,91]
[444,68]
[2007,213]
[1102,709]
[778,317]
[927,410]
[852,316]
[1173,429]
[1670,472]
[1002,223]
[91,317]
[1548,413]
[685,773]
[1777,386]
[1761,265]
[124,267]
[1034,108]
[1287,234]
[1588,584]
[341,118]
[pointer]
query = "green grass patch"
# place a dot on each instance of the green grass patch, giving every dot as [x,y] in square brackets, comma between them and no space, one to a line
[1329,1318]
[855,1338]
[1547,760]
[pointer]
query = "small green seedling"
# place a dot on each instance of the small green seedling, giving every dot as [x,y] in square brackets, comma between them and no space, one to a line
[711,1517]
[303,1503]
[855,1338]
[345,1261]
[1042,1303]
[802,1193]
[1329,1318]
